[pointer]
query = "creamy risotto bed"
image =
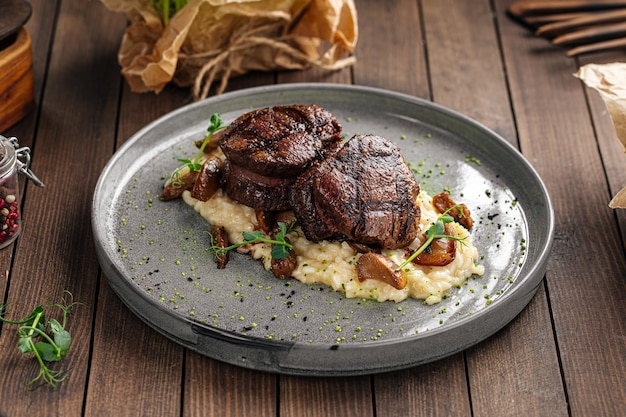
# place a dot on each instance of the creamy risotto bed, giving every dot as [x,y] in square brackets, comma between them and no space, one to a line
[333,263]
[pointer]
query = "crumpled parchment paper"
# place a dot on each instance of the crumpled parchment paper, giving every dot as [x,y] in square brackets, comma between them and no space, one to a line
[211,40]
[610,81]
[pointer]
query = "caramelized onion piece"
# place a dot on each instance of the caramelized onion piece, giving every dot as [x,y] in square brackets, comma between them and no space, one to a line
[208,180]
[440,252]
[376,266]
[220,238]
[171,192]
[283,268]
[443,202]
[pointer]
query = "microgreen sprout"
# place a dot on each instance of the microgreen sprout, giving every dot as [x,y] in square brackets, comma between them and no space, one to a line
[168,8]
[48,341]
[435,231]
[215,124]
[281,246]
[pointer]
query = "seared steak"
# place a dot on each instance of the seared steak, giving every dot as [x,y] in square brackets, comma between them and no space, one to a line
[365,193]
[268,148]
[281,140]
[257,191]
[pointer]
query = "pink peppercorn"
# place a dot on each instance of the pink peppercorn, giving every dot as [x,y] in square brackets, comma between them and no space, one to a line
[14,160]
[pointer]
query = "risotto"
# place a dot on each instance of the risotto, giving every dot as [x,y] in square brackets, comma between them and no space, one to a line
[334,263]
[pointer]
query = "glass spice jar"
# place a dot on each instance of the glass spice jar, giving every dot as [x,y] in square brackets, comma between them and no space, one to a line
[13,161]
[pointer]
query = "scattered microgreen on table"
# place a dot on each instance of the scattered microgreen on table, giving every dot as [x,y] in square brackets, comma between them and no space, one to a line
[215,124]
[48,340]
[281,246]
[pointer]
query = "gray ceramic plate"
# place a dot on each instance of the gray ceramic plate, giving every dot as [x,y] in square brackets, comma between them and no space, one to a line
[156,259]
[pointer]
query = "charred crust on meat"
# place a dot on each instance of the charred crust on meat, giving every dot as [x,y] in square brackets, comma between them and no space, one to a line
[268,148]
[281,140]
[254,190]
[364,192]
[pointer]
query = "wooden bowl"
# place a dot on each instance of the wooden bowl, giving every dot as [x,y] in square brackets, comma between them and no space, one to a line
[17,92]
[16,63]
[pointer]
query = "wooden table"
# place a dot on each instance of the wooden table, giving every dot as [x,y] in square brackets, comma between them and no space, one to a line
[564,355]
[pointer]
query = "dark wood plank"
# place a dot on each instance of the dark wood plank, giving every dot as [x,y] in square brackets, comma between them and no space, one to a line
[315,75]
[77,126]
[517,372]
[250,80]
[416,384]
[390,50]
[584,279]
[214,388]
[125,349]
[329,397]
[465,66]
[139,109]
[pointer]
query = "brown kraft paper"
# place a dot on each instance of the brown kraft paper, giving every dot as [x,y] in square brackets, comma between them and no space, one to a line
[610,81]
[213,40]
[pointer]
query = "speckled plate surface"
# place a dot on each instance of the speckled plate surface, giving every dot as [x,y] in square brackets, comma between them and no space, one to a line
[155,253]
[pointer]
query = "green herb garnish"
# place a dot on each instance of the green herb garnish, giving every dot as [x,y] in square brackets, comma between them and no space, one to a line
[436,231]
[215,124]
[281,246]
[48,341]
[168,8]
